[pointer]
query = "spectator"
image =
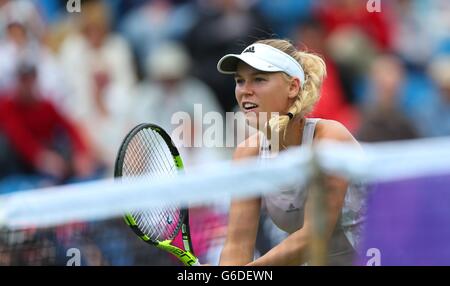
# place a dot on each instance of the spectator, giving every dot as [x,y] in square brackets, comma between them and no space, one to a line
[99,64]
[432,116]
[37,137]
[23,33]
[349,30]
[333,103]
[23,11]
[412,38]
[383,119]
[343,14]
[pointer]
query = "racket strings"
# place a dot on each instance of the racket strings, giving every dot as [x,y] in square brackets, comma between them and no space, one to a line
[170,214]
[166,164]
[160,219]
[148,155]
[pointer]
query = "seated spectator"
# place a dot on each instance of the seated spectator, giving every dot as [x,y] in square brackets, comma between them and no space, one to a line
[24,38]
[333,103]
[383,119]
[354,37]
[432,116]
[99,64]
[37,138]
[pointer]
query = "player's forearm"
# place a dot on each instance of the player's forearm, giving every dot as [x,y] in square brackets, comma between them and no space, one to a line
[235,255]
[292,251]
[241,232]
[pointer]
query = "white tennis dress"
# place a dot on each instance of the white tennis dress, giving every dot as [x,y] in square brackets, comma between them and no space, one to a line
[286,208]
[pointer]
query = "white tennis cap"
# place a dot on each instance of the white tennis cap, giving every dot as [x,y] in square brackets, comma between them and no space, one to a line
[264,58]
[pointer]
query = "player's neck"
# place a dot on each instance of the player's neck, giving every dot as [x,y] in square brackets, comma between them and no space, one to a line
[294,132]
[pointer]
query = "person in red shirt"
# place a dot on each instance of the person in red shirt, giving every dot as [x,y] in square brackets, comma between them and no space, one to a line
[333,103]
[39,138]
[339,14]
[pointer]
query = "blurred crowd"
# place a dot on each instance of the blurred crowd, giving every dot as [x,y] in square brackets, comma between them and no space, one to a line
[73,84]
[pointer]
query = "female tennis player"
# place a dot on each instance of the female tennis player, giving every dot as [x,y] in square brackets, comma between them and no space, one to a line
[273,76]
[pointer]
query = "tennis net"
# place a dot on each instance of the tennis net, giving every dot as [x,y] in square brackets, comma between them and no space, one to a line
[81,224]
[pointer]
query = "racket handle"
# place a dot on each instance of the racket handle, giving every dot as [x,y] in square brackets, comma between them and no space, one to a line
[196,263]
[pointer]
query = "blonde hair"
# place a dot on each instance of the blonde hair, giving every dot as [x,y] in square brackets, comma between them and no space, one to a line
[315,71]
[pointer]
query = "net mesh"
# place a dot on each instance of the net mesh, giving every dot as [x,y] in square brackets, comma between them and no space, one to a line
[83,225]
[108,242]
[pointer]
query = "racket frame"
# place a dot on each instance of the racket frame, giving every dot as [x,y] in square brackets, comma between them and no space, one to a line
[186,256]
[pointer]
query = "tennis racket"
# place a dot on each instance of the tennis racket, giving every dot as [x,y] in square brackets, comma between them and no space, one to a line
[149,151]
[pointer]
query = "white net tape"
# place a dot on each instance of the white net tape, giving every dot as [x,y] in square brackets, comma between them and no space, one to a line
[221,181]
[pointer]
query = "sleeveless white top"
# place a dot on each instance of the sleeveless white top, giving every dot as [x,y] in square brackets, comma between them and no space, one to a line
[286,208]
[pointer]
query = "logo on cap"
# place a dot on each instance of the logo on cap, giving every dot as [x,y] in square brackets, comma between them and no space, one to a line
[249,50]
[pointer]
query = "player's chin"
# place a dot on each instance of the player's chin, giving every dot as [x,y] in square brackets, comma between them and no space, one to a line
[253,119]
[257,119]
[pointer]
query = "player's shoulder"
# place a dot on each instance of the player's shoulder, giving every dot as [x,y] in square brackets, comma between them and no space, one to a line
[332,130]
[248,147]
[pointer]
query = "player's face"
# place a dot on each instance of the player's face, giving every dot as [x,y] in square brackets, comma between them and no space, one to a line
[259,94]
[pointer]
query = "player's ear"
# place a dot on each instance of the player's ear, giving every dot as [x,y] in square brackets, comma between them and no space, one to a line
[294,87]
